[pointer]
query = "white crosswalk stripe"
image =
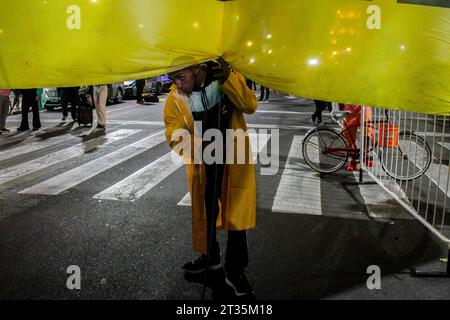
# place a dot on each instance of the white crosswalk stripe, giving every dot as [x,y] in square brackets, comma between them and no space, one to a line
[186,201]
[88,170]
[257,141]
[15,137]
[439,175]
[33,146]
[299,188]
[302,191]
[46,161]
[446,145]
[142,181]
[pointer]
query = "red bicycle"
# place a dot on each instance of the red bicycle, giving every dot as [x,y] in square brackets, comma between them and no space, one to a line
[402,155]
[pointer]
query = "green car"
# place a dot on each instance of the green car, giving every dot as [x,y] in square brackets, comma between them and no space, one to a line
[50,99]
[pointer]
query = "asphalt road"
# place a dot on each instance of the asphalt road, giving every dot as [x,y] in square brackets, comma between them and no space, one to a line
[116,208]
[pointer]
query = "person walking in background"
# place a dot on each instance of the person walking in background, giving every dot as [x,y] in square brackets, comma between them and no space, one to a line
[69,95]
[30,99]
[100,95]
[265,92]
[4,109]
[140,84]
[320,106]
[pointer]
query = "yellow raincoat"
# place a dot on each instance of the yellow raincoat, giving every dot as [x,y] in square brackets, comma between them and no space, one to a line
[238,198]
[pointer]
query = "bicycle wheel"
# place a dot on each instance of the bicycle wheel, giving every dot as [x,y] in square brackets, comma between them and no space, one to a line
[324,150]
[408,160]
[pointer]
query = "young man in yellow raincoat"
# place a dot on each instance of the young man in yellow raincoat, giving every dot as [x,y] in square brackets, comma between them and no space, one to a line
[206,97]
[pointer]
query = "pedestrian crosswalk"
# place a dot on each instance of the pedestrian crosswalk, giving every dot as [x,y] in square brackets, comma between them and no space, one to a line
[86,171]
[296,188]
[257,141]
[43,162]
[142,181]
[299,188]
[33,146]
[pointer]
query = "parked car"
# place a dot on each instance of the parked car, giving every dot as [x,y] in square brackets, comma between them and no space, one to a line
[166,83]
[116,92]
[51,98]
[152,89]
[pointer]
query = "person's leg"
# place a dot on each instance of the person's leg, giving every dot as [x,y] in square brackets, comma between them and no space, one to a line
[25,108]
[267,94]
[236,257]
[320,106]
[261,98]
[236,261]
[64,103]
[95,97]
[4,109]
[36,118]
[212,204]
[350,126]
[353,122]
[140,84]
[317,113]
[248,82]
[74,102]
[101,110]
[212,211]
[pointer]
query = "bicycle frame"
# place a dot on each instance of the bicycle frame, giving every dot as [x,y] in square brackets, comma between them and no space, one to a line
[352,151]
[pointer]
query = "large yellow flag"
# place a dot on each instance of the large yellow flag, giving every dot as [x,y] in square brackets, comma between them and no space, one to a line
[385,53]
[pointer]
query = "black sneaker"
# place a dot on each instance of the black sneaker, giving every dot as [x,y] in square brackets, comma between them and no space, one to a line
[4,130]
[199,265]
[239,284]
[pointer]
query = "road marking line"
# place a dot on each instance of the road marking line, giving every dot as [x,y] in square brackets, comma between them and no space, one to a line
[299,188]
[90,169]
[46,161]
[33,146]
[446,145]
[257,141]
[143,180]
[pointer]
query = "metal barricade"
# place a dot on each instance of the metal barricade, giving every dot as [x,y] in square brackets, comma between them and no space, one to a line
[408,154]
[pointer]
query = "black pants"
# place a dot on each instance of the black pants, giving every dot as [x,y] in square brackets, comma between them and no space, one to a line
[236,257]
[250,84]
[140,84]
[29,101]
[70,95]
[265,92]
[320,106]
